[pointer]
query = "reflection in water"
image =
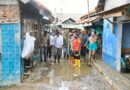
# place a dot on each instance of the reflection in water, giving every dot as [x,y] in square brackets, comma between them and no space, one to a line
[63,76]
[58,75]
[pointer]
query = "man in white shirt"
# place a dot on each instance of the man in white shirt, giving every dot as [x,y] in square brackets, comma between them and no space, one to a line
[58,44]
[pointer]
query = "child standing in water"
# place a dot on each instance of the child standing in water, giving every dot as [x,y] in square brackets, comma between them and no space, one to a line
[76,50]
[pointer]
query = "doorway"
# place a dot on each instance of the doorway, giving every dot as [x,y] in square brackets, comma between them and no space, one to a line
[125,53]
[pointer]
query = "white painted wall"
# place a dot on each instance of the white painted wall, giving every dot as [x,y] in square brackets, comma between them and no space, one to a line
[109,4]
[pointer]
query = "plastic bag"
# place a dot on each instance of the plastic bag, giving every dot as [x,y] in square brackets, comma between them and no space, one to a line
[28,46]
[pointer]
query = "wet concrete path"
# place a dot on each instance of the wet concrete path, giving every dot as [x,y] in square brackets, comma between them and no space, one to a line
[63,76]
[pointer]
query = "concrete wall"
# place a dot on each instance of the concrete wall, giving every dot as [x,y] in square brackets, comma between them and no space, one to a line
[11,53]
[109,4]
[110,43]
[11,42]
[5,12]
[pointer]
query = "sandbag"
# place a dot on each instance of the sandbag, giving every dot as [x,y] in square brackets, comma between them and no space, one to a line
[28,46]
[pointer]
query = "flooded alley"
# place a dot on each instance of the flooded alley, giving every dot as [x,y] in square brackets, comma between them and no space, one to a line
[64,44]
[63,76]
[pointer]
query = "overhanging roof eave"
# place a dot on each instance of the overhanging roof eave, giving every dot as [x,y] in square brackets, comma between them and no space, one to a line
[102,12]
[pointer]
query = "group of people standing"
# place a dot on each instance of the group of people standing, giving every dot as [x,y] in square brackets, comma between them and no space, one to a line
[80,45]
[53,41]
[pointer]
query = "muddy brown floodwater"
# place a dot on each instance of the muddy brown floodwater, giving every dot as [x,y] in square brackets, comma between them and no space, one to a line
[63,76]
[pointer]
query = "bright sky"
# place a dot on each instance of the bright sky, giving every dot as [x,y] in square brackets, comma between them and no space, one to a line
[68,6]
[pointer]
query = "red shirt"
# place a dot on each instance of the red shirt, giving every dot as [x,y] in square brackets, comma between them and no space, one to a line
[76,44]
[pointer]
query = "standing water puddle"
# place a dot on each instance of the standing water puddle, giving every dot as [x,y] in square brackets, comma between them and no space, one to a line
[58,75]
[63,76]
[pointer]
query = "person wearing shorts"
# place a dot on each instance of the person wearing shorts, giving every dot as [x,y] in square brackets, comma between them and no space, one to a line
[92,47]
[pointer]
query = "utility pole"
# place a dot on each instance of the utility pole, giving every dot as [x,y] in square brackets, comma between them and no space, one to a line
[55,15]
[54,11]
[61,10]
[88,7]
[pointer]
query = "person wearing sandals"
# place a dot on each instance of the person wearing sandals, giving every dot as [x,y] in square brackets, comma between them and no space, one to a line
[92,47]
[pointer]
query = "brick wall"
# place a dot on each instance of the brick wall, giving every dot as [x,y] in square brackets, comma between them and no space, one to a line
[9,13]
[11,42]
